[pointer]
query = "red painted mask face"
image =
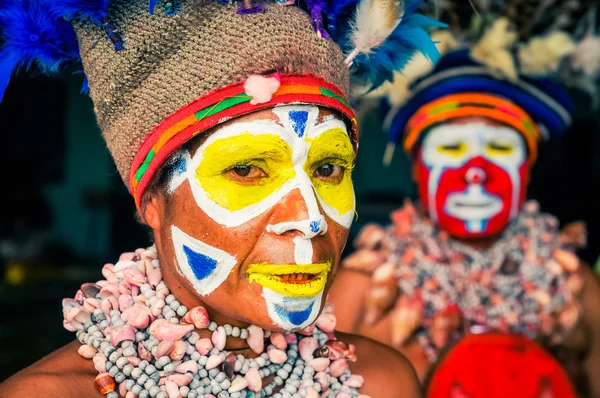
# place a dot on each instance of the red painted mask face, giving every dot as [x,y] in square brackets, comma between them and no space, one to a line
[472,177]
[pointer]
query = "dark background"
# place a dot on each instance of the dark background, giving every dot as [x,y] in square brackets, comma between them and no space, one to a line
[64,211]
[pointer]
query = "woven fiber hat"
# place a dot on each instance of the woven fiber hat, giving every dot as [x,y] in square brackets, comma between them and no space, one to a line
[172,61]
[158,79]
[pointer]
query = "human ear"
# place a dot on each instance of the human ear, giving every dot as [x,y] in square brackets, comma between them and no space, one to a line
[152,212]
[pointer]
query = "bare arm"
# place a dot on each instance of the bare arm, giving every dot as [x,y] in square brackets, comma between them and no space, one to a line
[387,373]
[590,303]
[62,374]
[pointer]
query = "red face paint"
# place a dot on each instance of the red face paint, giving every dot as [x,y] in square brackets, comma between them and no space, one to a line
[472,178]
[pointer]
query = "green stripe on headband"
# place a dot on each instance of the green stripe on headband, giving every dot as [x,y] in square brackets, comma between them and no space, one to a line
[443,108]
[223,105]
[331,94]
[140,172]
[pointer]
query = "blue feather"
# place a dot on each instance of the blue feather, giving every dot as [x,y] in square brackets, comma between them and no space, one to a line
[34,31]
[95,10]
[398,49]
[316,9]
[152,6]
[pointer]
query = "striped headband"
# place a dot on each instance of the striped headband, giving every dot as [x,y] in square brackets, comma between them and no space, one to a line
[220,106]
[472,104]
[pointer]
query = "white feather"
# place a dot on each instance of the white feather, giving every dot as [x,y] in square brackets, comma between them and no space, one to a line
[374,21]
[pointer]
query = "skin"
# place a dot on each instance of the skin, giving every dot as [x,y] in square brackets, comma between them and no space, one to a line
[583,346]
[237,302]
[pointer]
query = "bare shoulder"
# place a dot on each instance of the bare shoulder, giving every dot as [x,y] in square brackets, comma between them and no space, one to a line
[348,280]
[348,295]
[63,373]
[387,373]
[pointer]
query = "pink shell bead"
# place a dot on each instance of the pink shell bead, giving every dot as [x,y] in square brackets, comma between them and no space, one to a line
[256,339]
[187,367]
[337,368]
[179,350]
[238,384]
[323,380]
[154,277]
[164,348]
[133,276]
[198,316]
[218,338]
[143,353]
[108,271]
[172,390]
[355,381]
[277,356]
[319,364]
[99,361]
[125,301]
[122,333]
[326,322]
[213,362]
[254,380]
[311,393]
[165,330]
[180,379]
[278,340]
[87,351]
[307,346]
[203,346]
[138,316]
[307,331]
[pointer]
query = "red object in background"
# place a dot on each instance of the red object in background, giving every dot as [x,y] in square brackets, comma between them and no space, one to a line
[499,366]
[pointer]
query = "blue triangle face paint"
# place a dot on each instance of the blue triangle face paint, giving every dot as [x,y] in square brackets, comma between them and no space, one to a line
[205,266]
[201,265]
[296,318]
[299,120]
[291,313]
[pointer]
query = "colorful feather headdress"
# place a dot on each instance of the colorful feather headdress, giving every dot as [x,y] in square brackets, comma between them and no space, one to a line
[162,72]
[523,50]
[379,37]
[531,38]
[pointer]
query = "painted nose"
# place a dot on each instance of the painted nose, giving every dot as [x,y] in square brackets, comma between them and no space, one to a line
[298,212]
[475,175]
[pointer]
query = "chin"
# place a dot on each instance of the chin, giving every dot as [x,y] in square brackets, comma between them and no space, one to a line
[292,313]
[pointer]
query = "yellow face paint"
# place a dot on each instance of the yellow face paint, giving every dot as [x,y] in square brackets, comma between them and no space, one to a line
[333,147]
[268,152]
[277,278]
[456,150]
[499,149]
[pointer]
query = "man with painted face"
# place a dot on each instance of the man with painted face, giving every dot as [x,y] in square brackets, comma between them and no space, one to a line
[474,257]
[230,125]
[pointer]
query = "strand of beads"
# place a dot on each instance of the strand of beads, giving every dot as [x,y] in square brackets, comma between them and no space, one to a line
[143,343]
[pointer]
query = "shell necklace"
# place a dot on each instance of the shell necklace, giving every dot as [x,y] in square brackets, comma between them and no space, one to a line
[143,344]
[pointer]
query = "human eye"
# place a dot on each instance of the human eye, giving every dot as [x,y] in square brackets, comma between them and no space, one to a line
[500,147]
[453,148]
[245,174]
[330,172]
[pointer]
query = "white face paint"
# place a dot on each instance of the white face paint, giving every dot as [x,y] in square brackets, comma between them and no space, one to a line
[464,182]
[291,313]
[207,267]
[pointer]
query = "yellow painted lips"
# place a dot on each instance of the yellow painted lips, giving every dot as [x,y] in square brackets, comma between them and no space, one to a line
[294,280]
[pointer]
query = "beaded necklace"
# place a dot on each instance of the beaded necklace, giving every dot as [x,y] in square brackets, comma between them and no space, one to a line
[524,283]
[143,343]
